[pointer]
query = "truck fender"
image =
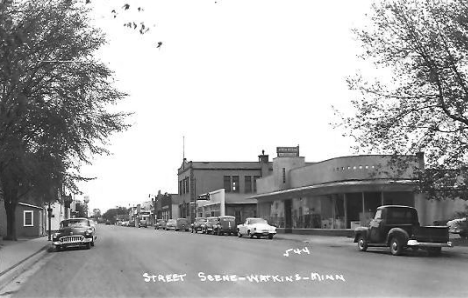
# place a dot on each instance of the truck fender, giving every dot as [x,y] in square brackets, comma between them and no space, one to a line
[398,232]
[364,231]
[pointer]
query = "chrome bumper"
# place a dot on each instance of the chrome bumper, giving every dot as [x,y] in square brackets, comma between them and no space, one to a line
[72,240]
[429,244]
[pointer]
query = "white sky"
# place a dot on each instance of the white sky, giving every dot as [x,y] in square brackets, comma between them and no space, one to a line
[232,76]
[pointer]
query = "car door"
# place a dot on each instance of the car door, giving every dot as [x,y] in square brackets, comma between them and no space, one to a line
[376,227]
[243,227]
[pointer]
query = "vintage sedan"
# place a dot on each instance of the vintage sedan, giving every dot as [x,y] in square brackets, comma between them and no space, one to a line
[182,224]
[459,226]
[210,223]
[225,225]
[160,224]
[198,224]
[171,224]
[257,227]
[75,232]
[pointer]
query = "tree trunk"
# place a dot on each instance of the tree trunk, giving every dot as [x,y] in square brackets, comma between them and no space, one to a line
[10,208]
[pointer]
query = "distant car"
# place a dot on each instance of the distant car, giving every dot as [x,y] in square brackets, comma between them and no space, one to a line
[74,232]
[131,223]
[171,224]
[124,223]
[182,224]
[108,222]
[198,224]
[143,223]
[210,222]
[459,226]
[256,227]
[160,224]
[225,225]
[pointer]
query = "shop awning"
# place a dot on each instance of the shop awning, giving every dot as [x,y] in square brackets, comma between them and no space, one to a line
[380,185]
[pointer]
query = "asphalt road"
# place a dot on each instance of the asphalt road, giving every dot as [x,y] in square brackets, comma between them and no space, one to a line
[131,262]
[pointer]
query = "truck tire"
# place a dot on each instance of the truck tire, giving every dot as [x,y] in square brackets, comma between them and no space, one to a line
[362,243]
[396,246]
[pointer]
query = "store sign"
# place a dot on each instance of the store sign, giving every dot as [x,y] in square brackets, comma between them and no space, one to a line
[287,151]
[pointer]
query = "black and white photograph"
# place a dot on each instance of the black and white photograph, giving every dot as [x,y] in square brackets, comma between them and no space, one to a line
[233,148]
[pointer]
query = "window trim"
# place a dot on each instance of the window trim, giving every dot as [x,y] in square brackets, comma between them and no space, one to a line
[24,218]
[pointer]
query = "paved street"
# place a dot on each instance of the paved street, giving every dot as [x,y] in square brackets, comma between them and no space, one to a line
[131,262]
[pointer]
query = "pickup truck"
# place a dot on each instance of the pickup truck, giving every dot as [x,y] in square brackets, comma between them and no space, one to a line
[397,227]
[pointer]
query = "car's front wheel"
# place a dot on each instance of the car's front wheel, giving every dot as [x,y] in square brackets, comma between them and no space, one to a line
[239,234]
[362,243]
[270,236]
[250,234]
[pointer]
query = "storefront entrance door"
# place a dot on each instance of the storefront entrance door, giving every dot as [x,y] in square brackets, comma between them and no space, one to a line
[288,216]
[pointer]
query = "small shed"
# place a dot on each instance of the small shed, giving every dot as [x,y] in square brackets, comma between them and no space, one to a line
[29,220]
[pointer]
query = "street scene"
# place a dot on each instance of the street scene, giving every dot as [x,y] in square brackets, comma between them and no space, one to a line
[233,148]
[154,263]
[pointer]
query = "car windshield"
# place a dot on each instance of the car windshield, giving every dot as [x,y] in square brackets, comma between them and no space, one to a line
[257,220]
[201,220]
[227,219]
[171,221]
[212,219]
[75,223]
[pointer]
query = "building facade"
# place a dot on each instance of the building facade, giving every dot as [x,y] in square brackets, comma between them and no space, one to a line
[238,179]
[30,221]
[166,206]
[339,193]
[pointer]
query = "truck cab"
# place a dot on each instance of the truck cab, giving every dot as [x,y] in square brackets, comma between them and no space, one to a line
[398,228]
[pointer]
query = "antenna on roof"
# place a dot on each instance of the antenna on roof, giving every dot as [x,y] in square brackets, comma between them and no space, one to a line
[183,147]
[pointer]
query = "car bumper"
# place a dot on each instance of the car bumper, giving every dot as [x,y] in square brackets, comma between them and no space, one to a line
[264,233]
[67,243]
[412,243]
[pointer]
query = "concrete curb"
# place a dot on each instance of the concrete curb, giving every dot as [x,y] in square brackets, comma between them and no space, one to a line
[16,270]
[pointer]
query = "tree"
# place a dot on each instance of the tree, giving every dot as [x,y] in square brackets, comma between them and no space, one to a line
[422,106]
[54,100]
[113,214]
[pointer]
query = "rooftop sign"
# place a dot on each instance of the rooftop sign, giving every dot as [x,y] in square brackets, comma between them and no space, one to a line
[287,151]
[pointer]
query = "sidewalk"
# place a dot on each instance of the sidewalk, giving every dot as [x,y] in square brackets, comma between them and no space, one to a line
[16,256]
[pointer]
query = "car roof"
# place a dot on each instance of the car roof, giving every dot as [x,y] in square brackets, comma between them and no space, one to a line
[227,216]
[395,206]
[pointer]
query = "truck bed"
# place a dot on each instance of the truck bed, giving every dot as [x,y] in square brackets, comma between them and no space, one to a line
[437,234]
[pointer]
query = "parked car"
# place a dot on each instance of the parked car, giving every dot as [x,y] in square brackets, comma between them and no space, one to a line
[160,224]
[210,222]
[125,223]
[225,225]
[171,224]
[397,227]
[131,223]
[256,227]
[182,224]
[74,232]
[142,223]
[199,224]
[459,226]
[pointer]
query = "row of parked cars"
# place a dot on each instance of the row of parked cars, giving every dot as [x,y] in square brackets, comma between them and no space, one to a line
[220,225]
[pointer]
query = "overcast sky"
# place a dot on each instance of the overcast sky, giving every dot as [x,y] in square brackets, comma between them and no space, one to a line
[234,77]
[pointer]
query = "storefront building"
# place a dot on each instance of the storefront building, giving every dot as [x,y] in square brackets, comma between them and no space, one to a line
[336,194]
[236,179]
